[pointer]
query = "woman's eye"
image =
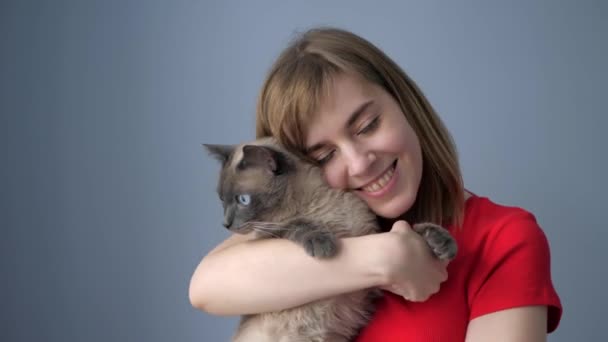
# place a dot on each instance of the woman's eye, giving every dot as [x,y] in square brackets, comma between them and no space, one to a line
[326,158]
[370,126]
[244,199]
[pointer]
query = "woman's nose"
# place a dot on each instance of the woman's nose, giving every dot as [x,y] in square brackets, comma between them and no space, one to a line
[358,160]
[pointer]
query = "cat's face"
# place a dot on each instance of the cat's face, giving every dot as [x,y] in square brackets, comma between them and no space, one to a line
[252,183]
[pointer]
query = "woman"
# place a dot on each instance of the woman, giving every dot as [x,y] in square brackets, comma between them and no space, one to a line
[337,100]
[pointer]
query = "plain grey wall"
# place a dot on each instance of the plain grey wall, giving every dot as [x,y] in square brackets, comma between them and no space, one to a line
[107,200]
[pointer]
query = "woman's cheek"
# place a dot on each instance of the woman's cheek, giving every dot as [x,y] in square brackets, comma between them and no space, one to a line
[332,178]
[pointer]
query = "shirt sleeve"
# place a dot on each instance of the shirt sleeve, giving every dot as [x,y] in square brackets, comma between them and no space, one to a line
[513,270]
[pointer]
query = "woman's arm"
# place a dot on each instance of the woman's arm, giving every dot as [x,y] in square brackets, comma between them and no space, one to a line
[241,276]
[244,276]
[523,324]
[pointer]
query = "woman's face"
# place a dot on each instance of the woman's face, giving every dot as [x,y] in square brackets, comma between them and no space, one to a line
[364,144]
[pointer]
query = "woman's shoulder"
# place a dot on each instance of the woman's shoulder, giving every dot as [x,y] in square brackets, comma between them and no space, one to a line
[483,212]
[487,222]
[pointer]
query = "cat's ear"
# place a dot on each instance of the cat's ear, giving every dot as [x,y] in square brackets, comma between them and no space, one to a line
[261,156]
[220,152]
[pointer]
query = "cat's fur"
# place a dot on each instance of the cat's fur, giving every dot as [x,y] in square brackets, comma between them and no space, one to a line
[282,196]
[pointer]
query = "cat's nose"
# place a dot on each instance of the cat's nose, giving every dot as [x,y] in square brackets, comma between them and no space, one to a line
[229,216]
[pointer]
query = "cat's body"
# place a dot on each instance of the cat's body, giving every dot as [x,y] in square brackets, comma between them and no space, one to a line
[269,191]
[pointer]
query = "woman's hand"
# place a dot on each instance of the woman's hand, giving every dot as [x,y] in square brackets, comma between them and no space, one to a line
[411,269]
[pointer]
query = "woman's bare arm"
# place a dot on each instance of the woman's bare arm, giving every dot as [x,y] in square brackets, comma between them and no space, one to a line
[244,276]
[521,324]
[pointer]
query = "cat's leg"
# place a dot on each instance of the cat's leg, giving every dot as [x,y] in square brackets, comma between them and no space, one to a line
[439,239]
[315,238]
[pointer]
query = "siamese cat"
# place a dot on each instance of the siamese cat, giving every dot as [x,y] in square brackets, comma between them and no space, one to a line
[266,190]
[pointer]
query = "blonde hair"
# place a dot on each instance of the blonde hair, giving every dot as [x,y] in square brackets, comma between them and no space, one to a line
[299,81]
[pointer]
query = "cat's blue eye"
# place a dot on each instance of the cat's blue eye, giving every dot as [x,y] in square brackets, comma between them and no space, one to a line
[244,199]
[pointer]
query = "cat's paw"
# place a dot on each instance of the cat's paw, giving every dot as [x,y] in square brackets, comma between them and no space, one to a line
[439,239]
[321,245]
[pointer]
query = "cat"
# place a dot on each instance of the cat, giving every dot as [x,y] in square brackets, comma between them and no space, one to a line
[269,191]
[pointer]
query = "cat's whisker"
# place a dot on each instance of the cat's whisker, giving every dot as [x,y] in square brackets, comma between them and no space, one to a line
[266,228]
[265,225]
[265,232]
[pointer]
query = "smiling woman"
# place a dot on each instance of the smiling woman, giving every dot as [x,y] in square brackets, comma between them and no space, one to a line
[336,100]
[365,144]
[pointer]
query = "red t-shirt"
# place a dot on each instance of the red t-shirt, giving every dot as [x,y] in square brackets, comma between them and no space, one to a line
[503,262]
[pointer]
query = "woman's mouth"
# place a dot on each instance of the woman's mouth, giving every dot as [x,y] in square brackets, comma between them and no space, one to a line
[381,184]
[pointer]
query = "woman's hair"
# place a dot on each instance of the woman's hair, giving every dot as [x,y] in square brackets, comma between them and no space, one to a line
[300,80]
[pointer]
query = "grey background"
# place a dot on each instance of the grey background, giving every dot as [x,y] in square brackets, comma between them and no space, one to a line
[107,200]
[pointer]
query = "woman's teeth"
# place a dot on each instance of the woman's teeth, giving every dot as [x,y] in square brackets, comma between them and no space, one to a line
[380,182]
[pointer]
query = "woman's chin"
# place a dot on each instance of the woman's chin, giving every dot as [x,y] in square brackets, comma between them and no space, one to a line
[393,208]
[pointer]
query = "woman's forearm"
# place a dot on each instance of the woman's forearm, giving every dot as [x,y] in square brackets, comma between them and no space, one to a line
[275,274]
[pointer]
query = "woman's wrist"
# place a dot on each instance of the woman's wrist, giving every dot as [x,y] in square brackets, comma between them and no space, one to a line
[366,256]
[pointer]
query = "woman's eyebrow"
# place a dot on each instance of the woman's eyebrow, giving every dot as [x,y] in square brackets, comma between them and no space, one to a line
[313,148]
[356,114]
